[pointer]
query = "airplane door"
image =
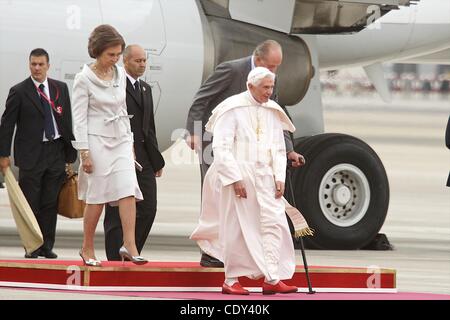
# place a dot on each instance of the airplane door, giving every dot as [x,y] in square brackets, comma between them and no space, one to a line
[141,22]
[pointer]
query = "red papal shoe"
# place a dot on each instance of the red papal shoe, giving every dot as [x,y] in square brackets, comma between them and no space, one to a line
[280,287]
[236,288]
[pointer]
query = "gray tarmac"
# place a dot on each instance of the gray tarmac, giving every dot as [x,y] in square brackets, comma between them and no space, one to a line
[408,136]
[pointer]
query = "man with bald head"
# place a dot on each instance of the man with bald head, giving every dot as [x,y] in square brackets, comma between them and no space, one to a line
[230,78]
[140,105]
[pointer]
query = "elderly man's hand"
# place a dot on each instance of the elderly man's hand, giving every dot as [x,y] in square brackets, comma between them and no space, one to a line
[239,189]
[193,142]
[279,189]
[4,164]
[297,159]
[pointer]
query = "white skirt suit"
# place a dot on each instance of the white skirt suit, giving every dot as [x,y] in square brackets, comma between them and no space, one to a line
[102,125]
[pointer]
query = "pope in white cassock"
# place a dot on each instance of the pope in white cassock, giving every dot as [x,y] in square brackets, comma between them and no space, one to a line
[245,183]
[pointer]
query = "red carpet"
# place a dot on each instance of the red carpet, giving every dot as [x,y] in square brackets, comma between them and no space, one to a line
[258,296]
[292,296]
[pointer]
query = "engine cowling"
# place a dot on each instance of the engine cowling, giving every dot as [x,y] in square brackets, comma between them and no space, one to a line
[229,40]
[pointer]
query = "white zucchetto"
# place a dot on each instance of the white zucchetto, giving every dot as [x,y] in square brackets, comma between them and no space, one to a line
[259,73]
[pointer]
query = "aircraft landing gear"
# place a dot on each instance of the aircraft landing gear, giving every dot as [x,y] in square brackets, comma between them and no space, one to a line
[342,191]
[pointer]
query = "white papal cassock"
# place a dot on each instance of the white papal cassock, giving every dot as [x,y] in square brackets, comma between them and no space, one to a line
[251,236]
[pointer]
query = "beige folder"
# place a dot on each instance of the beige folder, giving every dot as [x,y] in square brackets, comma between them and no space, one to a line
[27,226]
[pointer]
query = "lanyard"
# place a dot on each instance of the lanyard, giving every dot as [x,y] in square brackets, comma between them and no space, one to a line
[50,101]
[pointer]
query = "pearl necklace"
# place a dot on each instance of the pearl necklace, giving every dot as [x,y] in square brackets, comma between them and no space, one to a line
[100,73]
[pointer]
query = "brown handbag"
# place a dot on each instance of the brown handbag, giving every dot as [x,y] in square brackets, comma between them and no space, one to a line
[68,203]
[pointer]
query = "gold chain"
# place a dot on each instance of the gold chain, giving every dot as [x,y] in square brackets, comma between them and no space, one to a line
[258,129]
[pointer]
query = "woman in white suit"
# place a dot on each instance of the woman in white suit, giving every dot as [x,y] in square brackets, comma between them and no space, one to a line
[105,141]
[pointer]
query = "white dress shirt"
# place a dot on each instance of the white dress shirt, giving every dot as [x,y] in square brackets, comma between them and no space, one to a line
[132,80]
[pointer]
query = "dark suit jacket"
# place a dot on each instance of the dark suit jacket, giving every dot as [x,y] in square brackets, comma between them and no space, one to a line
[147,136]
[447,143]
[229,78]
[23,108]
[447,134]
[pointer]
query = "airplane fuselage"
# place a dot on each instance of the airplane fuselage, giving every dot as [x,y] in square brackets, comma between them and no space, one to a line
[184,43]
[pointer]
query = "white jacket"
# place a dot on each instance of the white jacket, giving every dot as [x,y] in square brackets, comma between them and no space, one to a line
[99,107]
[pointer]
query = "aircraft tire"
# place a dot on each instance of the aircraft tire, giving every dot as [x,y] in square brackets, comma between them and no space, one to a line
[342,191]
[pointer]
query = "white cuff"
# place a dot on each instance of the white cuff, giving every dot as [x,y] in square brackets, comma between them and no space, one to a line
[80,145]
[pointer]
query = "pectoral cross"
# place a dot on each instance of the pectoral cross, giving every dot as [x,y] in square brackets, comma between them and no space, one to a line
[258,128]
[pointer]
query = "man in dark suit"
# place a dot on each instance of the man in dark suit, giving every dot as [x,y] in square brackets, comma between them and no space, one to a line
[40,109]
[447,143]
[230,78]
[140,105]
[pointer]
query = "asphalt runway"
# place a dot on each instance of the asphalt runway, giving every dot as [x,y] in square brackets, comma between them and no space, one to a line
[408,136]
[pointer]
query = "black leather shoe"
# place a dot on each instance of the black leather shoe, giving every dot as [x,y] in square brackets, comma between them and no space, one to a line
[33,255]
[49,254]
[210,262]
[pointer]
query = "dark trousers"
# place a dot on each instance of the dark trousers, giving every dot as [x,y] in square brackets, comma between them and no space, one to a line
[205,157]
[41,185]
[145,215]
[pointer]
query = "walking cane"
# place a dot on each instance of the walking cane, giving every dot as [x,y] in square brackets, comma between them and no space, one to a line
[302,247]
